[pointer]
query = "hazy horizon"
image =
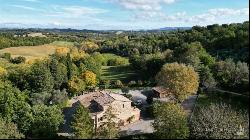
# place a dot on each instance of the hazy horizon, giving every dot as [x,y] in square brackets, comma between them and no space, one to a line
[120,14]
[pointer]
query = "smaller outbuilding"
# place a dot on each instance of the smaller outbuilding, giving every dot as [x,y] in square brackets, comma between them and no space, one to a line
[160,92]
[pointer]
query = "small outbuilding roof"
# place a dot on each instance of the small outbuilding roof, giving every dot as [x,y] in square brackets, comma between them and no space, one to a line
[160,89]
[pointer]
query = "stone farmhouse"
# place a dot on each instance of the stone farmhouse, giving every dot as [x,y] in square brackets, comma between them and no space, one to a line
[99,101]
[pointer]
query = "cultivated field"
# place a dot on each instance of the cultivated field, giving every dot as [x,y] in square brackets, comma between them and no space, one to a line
[35,52]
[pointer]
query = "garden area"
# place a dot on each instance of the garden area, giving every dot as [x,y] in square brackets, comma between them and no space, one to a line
[228,116]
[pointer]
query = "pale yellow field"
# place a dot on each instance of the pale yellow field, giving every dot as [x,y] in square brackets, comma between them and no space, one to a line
[34,52]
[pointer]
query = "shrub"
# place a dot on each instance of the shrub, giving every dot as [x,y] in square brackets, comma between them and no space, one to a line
[60,51]
[125,89]
[117,61]
[219,121]
[105,84]
[118,84]
[139,83]
[3,72]
[18,60]
[6,56]
[132,83]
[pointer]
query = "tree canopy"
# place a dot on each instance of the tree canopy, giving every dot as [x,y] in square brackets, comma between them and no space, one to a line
[170,121]
[82,124]
[179,79]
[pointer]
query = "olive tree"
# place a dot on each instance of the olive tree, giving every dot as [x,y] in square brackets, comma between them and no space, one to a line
[219,121]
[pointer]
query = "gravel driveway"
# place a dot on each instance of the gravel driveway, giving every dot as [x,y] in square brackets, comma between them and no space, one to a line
[137,95]
[139,127]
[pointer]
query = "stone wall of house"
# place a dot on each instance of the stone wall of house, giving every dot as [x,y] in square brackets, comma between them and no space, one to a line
[121,106]
[125,111]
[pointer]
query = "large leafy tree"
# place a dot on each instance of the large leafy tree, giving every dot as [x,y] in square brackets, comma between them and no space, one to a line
[230,74]
[82,124]
[40,98]
[89,46]
[8,130]
[60,98]
[59,72]
[76,85]
[149,64]
[170,121]
[20,77]
[181,80]
[93,65]
[194,54]
[14,107]
[89,78]
[206,78]
[40,78]
[47,120]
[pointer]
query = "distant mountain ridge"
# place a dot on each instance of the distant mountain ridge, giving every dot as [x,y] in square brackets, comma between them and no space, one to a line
[171,28]
[88,30]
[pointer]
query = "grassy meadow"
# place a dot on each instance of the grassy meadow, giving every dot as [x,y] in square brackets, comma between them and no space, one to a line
[123,73]
[35,52]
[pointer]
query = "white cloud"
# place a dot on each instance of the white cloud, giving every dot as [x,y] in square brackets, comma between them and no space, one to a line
[56,23]
[208,17]
[31,0]
[159,16]
[73,16]
[79,11]
[73,11]
[213,15]
[25,7]
[145,5]
[227,12]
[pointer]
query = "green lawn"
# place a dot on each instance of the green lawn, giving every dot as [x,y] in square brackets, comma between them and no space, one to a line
[123,73]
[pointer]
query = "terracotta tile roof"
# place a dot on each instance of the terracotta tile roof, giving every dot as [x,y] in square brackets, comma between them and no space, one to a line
[104,99]
[119,97]
[101,97]
[86,99]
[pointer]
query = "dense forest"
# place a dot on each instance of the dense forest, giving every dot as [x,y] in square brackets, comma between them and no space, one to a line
[33,95]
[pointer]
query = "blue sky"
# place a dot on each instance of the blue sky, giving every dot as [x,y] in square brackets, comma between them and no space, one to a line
[120,14]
